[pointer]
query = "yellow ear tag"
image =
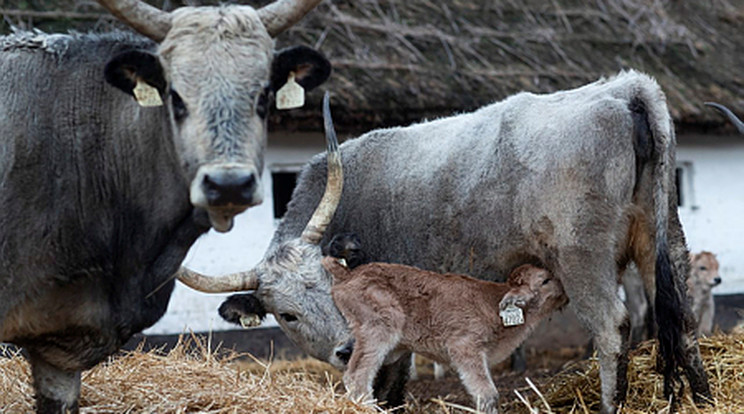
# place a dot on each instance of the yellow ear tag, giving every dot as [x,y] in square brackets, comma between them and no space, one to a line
[146,95]
[291,95]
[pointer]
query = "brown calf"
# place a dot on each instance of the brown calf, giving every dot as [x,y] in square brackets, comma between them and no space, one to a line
[395,309]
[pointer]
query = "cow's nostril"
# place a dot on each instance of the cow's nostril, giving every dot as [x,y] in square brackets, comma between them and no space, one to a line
[717,280]
[344,354]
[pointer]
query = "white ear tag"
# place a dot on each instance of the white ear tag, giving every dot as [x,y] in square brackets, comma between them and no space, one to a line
[512,316]
[146,95]
[250,321]
[342,262]
[291,95]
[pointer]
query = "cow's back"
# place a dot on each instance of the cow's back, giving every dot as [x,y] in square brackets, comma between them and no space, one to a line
[483,192]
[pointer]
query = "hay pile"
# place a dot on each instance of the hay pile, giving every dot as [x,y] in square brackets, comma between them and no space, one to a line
[576,388]
[188,379]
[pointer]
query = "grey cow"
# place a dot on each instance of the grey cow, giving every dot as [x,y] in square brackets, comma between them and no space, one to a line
[100,198]
[579,182]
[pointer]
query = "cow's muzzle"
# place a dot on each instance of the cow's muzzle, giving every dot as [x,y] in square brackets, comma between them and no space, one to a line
[225,191]
[342,354]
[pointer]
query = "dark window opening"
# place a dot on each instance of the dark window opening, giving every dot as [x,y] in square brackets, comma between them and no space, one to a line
[678,177]
[283,184]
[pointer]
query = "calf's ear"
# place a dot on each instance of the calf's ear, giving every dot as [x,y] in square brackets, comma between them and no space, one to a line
[125,69]
[238,307]
[310,67]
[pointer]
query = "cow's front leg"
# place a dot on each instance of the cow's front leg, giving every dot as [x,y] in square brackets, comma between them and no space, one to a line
[57,391]
[391,380]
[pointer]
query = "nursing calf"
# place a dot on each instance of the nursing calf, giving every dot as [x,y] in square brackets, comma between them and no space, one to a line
[395,309]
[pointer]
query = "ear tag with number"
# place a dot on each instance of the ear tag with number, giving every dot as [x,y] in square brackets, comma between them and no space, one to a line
[291,95]
[146,95]
[512,316]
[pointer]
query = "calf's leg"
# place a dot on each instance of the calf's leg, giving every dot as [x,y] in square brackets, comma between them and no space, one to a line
[473,368]
[366,360]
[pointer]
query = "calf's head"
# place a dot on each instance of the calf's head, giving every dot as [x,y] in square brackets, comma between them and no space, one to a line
[290,282]
[347,246]
[535,290]
[704,274]
[216,72]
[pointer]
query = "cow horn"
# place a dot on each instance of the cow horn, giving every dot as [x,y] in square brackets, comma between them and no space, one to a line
[323,214]
[140,16]
[733,118]
[234,282]
[282,14]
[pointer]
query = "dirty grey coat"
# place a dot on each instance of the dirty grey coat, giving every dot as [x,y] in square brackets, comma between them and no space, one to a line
[94,208]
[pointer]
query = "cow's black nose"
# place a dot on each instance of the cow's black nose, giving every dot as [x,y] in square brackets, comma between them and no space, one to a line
[717,280]
[344,353]
[229,187]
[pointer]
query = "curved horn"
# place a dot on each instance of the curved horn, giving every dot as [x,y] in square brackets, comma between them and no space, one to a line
[234,282]
[140,16]
[282,14]
[323,214]
[733,118]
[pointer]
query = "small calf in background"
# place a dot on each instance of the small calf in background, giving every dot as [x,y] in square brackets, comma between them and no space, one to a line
[395,309]
[703,278]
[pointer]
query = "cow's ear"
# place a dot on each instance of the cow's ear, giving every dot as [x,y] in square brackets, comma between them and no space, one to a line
[310,67]
[125,69]
[238,308]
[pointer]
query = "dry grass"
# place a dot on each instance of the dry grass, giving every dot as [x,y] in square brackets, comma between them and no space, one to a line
[576,388]
[191,379]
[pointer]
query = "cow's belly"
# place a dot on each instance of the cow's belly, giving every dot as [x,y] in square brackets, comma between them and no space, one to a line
[70,326]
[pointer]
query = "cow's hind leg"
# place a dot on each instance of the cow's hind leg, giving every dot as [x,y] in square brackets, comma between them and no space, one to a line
[593,294]
[57,391]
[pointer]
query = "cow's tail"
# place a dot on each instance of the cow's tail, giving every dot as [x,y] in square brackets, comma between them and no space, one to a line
[650,104]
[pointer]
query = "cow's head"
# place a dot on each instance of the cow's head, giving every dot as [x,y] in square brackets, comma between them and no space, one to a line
[533,289]
[216,71]
[291,282]
[704,274]
[729,114]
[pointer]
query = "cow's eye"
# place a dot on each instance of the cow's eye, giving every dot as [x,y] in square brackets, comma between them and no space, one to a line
[703,268]
[288,317]
[179,108]
[262,104]
[546,281]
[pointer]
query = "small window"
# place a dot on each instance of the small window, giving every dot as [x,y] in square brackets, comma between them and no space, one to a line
[283,182]
[684,174]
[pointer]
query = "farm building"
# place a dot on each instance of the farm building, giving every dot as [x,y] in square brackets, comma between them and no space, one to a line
[400,62]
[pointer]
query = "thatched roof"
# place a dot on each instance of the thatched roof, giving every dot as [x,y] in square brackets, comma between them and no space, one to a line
[398,61]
